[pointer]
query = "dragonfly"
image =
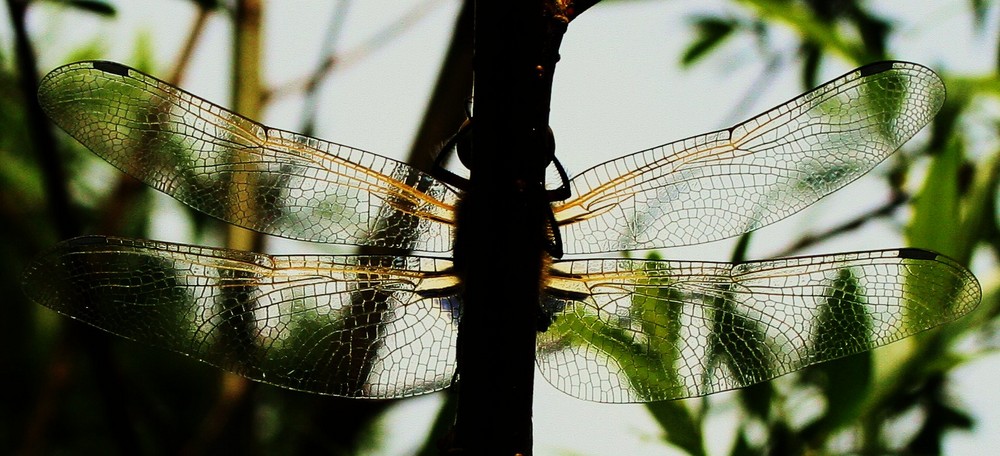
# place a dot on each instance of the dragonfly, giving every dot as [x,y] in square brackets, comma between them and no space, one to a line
[617,329]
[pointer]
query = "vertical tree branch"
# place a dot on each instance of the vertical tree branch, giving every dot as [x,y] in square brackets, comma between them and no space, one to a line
[327,60]
[232,400]
[127,188]
[64,218]
[502,223]
[247,89]
[53,175]
[446,108]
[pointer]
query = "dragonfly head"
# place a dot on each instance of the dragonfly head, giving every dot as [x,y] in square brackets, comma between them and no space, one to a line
[545,142]
[541,144]
[463,143]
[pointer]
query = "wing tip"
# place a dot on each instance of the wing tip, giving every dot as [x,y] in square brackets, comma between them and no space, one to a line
[876,68]
[917,254]
[110,67]
[968,294]
[887,65]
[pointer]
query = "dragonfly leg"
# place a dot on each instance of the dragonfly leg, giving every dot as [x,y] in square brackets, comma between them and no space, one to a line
[562,192]
[554,238]
[459,142]
[545,317]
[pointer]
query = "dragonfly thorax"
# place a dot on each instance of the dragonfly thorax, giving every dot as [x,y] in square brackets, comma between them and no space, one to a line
[529,166]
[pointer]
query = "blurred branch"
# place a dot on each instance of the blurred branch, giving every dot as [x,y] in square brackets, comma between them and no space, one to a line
[39,130]
[344,60]
[328,50]
[127,189]
[187,50]
[810,28]
[247,87]
[445,113]
[63,217]
[739,111]
[446,107]
[246,84]
[75,338]
[897,200]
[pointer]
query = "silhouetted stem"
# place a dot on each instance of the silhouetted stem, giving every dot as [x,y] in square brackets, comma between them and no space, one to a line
[247,88]
[39,129]
[246,100]
[898,200]
[342,60]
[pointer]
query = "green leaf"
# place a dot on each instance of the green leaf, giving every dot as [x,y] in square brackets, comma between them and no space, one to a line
[654,302]
[93,6]
[650,370]
[979,10]
[936,211]
[738,343]
[888,100]
[742,446]
[710,33]
[207,4]
[664,320]
[144,53]
[843,321]
[681,428]
[757,398]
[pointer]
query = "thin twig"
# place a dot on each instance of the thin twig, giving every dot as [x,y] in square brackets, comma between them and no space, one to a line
[325,66]
[246,83]
[39,129]
[187,50]
[127,188]
[346,59]
[898,199]
[63,217]
[446,108]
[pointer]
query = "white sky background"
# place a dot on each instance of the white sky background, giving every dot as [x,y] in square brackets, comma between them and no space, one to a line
[618,89]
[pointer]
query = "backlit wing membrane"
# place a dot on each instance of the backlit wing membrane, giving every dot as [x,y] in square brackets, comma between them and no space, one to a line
[242,172]
[648,330]
[355,326]
[386,326]
[732,181]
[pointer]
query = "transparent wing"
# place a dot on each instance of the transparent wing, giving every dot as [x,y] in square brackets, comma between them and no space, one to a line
[648,330]
[732,181]
[355,326]
[242,172]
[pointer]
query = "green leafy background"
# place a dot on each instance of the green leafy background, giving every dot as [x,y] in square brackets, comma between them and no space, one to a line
[74,390]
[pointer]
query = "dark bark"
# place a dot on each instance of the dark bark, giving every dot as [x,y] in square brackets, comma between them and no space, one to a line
[503,219]
[53,175]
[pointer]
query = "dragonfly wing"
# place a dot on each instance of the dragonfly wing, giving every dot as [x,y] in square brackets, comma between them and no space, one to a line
[732,181]
[649,330]
[242,172]
[354,326]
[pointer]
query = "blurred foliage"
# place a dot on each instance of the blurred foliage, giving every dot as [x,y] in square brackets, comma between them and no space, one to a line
[866,396]
[73,390]
[98,7]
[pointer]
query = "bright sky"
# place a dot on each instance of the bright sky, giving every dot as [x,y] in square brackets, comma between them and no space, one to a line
[618,89]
